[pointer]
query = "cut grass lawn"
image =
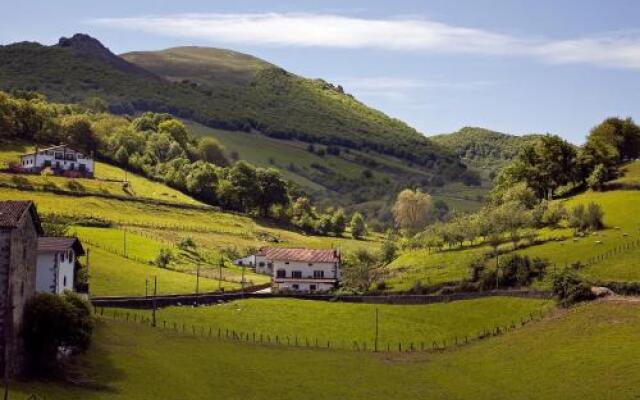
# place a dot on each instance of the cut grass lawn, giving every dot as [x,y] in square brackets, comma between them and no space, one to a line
[589,352]
[343,323]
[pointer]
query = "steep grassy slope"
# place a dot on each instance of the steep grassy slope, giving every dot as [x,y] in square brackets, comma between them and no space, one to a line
[362,180]
[109,180]
[589,352]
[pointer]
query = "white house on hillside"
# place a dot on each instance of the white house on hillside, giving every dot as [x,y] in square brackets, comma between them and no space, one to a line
[304,270]
[56,267]
[60,159]
[297,270]
[258,261]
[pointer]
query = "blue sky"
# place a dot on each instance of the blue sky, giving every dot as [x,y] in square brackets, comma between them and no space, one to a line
[514,66]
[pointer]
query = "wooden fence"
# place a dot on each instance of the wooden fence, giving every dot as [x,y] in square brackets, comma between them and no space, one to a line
[271,339]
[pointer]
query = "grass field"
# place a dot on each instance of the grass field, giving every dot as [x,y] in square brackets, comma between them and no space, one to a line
[344,323]
[430,268]
[111,275]
[108,180]
[588,352]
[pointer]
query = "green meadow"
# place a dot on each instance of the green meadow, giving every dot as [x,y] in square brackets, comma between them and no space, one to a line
[587,352]
[342,324]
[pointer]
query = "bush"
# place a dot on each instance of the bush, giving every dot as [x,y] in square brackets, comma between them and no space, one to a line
[514,271]
[186,243]
[164,258]
[570,288]
[583,218]
[54,322]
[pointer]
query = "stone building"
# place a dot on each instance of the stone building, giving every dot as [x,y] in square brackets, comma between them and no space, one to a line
[19,230]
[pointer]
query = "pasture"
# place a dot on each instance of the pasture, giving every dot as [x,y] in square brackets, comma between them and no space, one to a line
[342,324]
[587,352]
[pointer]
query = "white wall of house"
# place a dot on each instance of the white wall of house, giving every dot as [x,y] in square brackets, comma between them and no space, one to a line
[67,160]
[55,271]
[263,266]
[259,262]
[305,276]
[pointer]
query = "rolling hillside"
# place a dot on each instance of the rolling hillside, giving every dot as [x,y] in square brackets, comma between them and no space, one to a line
[126,227]
[484,149]
[237,93]
[605,256]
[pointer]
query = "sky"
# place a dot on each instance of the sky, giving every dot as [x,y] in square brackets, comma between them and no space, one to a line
[557,66]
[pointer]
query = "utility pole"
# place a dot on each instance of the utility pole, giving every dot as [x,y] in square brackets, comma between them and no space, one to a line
[88,275]
[155,293]
[242,282]
[197,278]
[375,343]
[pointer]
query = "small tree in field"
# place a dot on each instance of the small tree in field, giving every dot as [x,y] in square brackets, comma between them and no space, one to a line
[598,177]
[358,226]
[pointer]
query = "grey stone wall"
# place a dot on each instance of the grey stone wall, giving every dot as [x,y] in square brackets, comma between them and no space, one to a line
[17,286]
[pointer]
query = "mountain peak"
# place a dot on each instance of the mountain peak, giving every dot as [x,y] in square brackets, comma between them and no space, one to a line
[86,45]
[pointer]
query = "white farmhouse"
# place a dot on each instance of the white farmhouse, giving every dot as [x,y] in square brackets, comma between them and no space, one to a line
[61,159]
[257,261]
[304,270]
[56,267]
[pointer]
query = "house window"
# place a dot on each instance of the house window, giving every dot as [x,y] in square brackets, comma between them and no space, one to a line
[311,264]
[318,274]
[70,256]
[295,287]
[312,288]
[64,281]
[62,256]
[286,263]
[261,264]
[296,274]
[281,273]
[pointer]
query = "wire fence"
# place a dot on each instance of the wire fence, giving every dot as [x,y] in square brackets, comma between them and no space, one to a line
[300,341]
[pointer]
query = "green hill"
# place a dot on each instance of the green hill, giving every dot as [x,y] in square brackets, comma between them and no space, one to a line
[482,148]
[243,99]
[605,256]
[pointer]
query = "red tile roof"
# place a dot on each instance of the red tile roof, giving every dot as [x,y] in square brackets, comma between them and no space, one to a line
[52,243]
[12,211]
[306,255]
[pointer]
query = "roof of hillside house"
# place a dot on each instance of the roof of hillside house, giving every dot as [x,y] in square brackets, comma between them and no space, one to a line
[13,211]
[53,243]
[60,146]
[306,255]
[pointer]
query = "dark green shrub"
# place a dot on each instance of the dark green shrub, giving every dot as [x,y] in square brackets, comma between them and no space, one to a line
[53,323]
[570,288]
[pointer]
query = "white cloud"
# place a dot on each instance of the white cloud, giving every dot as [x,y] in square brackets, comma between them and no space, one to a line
[402,34]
